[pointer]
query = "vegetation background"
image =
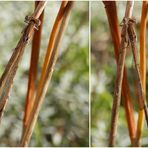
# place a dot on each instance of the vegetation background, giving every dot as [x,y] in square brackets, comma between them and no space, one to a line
[103,74]
[63,119]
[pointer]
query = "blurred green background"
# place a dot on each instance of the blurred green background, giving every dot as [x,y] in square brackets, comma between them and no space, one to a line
[103,74]
[63,119]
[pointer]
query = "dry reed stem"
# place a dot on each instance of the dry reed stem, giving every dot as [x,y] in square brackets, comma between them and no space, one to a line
[120,71]
[111,11]
[56,36]
[142,68]
[6,80]
[33,70]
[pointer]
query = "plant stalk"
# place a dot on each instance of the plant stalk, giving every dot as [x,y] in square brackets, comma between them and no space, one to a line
[111,11]
[49,63]
[142,67]
[120,71]
[33,70]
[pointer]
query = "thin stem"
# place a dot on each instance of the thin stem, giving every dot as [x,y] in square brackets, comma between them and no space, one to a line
[43,85]
[129,9]
[33,70]
[119,79]
[142,67]
[111,11]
